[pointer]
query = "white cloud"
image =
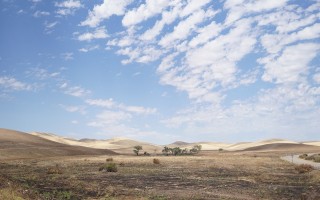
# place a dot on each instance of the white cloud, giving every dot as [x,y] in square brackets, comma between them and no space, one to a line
[292,65]
[41,73]
[68,7]
[109,118]
[9,83]
[39,13]
[205,34]
[75,91]
[237,9]
[168,17]
[104,11]
[106,103]
[79,109]
[144,12]
[193,6]
[316,78]
[67,56]
[87,49]
[111,104]
[98,33]
[49,26]
[183,29]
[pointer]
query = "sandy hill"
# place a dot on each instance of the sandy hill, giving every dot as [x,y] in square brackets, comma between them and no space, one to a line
[314,143]
[205,145]
[15,144]
[288,147]
[118,144]
[246,145]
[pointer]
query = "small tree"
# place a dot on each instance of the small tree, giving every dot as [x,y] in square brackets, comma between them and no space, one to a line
[137,149]
[196,149]
[176,151]
[185,151]
[165,150]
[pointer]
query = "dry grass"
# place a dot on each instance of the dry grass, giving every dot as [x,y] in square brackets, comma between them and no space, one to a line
[156,161]
[304,168]
[109,159]
[207,175]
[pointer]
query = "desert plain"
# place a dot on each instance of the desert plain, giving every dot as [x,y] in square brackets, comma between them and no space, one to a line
[47,166]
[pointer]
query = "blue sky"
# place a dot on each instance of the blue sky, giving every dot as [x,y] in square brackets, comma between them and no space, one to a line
[160,71]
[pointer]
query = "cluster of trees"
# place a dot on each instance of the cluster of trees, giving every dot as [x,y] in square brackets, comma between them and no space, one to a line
[178,151]
[172,151]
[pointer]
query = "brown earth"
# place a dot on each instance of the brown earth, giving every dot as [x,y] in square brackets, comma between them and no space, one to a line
[15,144]
[287,147]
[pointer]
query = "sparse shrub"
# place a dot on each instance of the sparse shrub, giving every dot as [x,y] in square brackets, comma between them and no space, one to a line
[110,167]
[146,153]
[156,161]
[221,149]
[109,159]
[303,156]
[310,157]
[304,168]
[121,164]
[317,159]
[54,170]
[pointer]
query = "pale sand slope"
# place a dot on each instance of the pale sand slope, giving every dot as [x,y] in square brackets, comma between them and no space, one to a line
[125,145]
[205,145]
[245,145]
[314,143]
[119,144]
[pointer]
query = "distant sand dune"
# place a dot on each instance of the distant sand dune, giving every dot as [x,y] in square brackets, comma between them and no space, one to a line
[15,144]
[125,145]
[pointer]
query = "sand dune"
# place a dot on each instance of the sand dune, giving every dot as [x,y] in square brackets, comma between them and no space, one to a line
[125,145]
[15,144]
[314,143]
[118,144]
[288,147]
[246,145]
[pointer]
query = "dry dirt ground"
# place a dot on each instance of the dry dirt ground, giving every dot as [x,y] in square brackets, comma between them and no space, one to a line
[208,175]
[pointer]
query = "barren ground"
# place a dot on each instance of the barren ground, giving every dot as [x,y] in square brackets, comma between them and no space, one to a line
[209,175]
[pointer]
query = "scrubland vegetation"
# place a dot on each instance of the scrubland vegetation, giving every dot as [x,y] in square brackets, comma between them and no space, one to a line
[206,175]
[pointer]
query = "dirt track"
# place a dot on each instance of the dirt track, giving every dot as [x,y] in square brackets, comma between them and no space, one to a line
[298,161]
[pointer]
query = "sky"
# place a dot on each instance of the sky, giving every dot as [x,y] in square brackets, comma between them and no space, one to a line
[161,70]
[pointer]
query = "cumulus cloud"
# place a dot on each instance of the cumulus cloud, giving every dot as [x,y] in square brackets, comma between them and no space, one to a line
[292,65]
[144,11]
[104,11]
[68,7]
[75,91]
[198,51]
[12,84]
[98,33]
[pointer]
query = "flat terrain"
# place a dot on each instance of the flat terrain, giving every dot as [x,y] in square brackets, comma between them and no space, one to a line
[208,175]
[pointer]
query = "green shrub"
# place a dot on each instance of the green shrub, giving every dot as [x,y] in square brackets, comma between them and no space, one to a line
[156,161]
[304,168]
[110,167]
[109,159]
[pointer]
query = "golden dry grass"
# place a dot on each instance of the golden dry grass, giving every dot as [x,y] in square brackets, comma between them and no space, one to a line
[208,175]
